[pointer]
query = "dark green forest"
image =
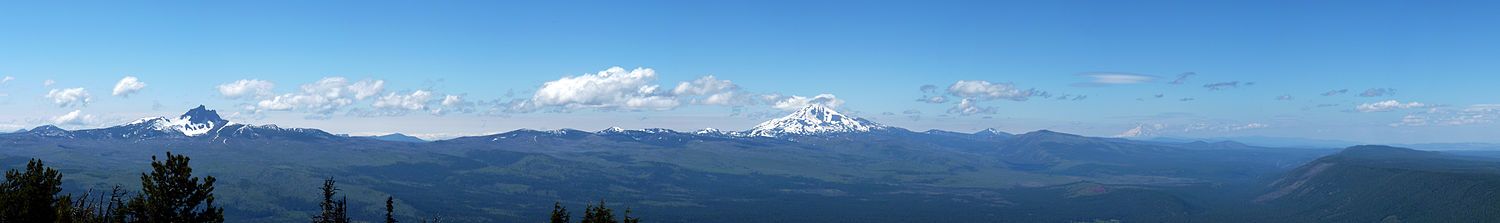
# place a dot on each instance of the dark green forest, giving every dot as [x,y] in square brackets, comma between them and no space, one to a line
[171,193]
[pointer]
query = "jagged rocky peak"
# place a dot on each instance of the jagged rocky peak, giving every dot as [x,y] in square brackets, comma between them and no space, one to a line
[812,120]
[197,121]
[201,114]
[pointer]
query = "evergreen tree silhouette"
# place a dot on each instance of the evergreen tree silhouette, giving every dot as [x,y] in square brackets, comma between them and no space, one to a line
[170,193]
[333,211]
[599,214]
[30,195]
[560,214]
[390,206]
[629,219]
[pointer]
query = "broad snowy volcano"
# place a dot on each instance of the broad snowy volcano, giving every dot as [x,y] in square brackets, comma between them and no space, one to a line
[814,120]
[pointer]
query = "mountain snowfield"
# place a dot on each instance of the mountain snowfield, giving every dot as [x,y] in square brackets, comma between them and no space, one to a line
[196,122]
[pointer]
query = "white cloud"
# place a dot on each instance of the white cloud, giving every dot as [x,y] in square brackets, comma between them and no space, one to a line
[247,87]
[417,100]
[128,85]
[794,102]
[366,88]
[1387,105]
[613,88]
[967,107]
[69,97]
[325,96]
[452,100]
[73,118]
[7,79]
[1285,97]
[984,91]
[452,103]
[705,85]
[48,83]
[713,90]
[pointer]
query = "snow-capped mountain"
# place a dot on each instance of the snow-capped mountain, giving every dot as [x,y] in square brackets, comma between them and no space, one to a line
[1141,130]
[197,123]
[813,120]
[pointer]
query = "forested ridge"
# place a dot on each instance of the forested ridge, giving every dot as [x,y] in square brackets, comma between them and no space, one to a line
[171,193]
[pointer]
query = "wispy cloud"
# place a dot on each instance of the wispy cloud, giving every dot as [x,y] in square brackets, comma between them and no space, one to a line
[1285,97]
[1114,78]
[1378,92]
[985,91]
[1222,85]
[1473,114]
[1223,127]
[929,89]
[792,103]
[1335,92]
[934,99]
[1182,78]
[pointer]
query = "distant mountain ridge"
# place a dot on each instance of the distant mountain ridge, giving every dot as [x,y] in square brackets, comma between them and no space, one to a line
[397,137]
[1371,183]
[196,123]
[815,154]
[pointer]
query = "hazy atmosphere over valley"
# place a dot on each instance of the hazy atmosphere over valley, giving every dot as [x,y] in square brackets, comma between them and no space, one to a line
[750,111]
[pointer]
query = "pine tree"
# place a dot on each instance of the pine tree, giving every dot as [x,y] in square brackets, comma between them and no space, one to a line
[90,208]
[333,211]
[629,219]
[390,206]
[560,214]
[170,193]
[30,196]
[599,214]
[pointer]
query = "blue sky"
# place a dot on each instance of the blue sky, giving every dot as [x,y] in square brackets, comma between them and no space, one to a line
[872,59]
